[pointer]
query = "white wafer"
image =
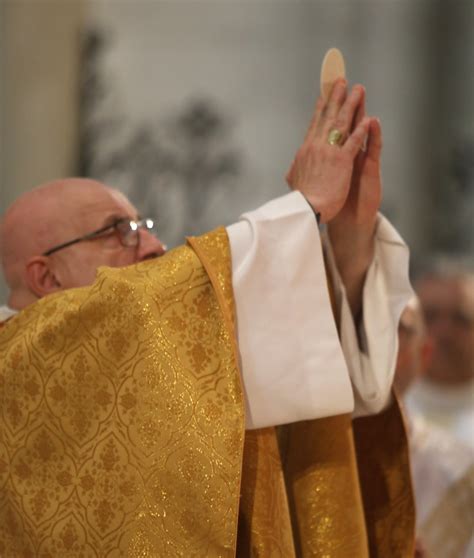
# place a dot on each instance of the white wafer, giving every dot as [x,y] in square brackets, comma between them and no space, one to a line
[333,67]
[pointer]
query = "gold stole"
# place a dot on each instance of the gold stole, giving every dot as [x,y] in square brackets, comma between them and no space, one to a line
[348,484]
[122,433]
[332,488]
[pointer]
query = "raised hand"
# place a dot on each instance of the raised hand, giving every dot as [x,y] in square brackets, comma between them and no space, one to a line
[323,166]
[363,201]
[342,181]
[352,230]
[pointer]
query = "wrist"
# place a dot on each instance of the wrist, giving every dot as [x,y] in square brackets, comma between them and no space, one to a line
[359,232]
[321,207]
[353,249]
[317,214]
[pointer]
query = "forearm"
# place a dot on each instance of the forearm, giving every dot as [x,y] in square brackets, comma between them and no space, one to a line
[353,250]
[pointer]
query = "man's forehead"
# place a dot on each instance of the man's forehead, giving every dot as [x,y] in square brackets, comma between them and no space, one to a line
[104,204]
[122,200]
[447,289]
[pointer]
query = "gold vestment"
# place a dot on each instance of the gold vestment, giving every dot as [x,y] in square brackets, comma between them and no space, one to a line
[122,433]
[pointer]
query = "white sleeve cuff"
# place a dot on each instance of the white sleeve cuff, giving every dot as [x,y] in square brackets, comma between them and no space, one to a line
[292,364]
[386,292]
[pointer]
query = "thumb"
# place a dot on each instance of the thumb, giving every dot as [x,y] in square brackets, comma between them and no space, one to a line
[290,175]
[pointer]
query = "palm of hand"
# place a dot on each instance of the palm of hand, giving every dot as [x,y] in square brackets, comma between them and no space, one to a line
[365,194]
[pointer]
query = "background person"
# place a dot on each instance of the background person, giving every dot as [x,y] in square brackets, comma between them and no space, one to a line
[444,395]
[442,466]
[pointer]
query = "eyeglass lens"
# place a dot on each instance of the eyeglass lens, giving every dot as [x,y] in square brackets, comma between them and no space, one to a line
[129,230]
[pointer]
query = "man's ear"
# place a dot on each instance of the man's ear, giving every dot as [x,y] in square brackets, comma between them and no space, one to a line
[40,276]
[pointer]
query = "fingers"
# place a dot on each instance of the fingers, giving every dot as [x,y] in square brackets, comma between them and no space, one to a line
[345,113]
[326,110]
[345,117]
[318,110]
[356,140]
[336,100]
[360,113]
[341,111]
[374,142]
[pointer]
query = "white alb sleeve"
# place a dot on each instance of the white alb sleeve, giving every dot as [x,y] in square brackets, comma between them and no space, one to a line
[386,292]
[292,363]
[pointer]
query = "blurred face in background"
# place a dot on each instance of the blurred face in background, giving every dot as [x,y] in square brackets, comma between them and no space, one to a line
[448,306]
[414,350]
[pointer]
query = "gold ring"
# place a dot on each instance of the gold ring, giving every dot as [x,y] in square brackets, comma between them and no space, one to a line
[335,137]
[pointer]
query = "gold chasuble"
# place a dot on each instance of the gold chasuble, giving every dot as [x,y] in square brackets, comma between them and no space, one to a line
[122,433]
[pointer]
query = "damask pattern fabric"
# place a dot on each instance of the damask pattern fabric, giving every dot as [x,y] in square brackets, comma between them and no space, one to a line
[384,474]
[122,418]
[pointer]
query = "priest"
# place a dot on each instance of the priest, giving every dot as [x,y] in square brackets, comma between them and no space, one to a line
[229,397]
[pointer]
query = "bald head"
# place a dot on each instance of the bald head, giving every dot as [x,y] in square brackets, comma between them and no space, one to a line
[42,218]
[55,213]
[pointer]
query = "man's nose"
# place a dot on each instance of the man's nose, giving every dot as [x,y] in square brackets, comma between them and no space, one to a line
[150,246]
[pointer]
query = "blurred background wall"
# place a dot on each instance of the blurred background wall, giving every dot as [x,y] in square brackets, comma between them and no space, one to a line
[195,109]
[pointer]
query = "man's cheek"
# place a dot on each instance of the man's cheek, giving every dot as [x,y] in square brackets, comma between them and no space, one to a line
[110,243]
[121,258]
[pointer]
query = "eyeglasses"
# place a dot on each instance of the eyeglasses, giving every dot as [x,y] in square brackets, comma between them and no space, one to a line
[127,231]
